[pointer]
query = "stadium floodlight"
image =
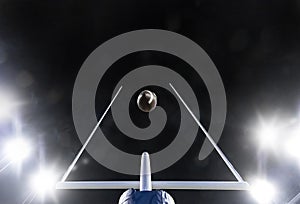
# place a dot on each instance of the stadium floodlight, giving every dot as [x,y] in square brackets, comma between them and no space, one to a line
[267,136]
[292,144]
[43,182]
[263,191]
[6,106]
[17,149]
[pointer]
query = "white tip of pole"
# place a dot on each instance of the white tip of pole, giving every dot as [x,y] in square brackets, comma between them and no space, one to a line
[145,174]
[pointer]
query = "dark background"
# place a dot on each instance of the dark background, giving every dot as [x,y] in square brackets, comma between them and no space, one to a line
[255,44]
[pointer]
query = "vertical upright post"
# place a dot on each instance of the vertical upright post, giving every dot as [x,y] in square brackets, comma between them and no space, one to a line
[145,173]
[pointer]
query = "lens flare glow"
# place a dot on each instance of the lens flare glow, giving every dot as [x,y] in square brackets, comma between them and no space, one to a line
[263,191]
[17,150]
[43,182]
[292,146]
[267,136]
[6,106]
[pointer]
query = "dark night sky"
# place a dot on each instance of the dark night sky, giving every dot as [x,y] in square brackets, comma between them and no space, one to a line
[255,45]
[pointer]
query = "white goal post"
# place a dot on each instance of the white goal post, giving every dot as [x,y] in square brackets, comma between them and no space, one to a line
[239,184]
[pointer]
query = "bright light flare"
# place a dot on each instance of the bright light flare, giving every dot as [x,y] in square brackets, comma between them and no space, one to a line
[292,146]
[6,106]
[267,136]
[263,191]
[17,149]
[44,182]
